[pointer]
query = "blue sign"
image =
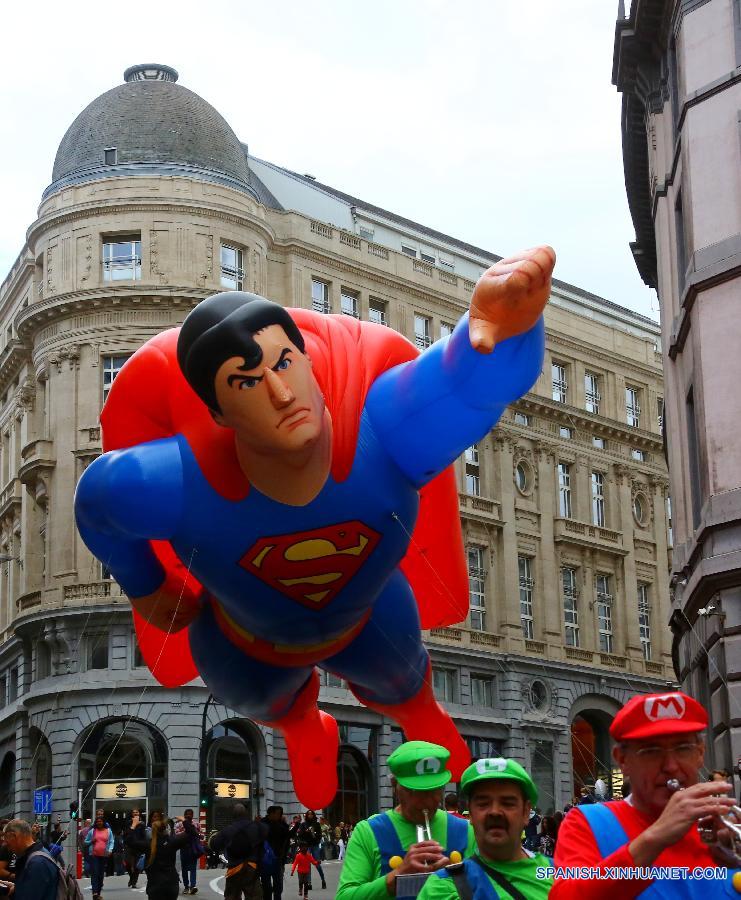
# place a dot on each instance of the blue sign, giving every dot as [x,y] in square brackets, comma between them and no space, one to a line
[41,803]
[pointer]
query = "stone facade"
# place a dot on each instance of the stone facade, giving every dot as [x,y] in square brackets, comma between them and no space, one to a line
[678,66]
[515,675]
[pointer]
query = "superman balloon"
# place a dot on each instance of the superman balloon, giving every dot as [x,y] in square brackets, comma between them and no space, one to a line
[277,494]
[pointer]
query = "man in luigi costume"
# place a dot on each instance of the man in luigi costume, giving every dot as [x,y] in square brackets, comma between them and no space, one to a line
[387,845]
[500,796]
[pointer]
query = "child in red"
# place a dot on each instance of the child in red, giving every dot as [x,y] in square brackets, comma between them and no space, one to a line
[303,861]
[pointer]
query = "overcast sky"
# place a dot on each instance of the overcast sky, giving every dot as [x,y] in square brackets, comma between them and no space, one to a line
[490,120]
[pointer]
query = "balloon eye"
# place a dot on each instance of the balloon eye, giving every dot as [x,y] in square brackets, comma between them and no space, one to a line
[283,364]
[248,383]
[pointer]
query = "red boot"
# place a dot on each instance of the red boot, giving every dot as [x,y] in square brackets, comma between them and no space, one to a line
[423,719]
[312,741]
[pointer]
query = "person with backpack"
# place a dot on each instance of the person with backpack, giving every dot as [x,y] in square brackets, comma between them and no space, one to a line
[500,796]
[190,853]
[243,841]
[160,855]
[99,843]
[37,875]
[278,839]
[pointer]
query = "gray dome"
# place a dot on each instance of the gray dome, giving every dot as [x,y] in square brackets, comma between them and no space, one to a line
[154,125]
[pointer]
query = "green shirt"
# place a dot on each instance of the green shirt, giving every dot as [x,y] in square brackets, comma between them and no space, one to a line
[361,877]
[520,873]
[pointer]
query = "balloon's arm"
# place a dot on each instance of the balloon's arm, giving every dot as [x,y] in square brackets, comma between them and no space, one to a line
[126,498]
[429,410]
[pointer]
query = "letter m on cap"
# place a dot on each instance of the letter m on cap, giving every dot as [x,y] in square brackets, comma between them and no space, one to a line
[665,706]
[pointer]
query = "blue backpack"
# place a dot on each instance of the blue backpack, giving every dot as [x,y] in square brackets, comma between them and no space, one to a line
[269,861]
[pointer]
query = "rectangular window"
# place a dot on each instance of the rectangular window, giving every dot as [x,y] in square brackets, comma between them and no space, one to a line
[445,264]
[410,251]
[660,412]
[422,331]
[97,651]
[110,156]
[681,237]
[330,680]
[482,748]
[377,311]
[560,385]
[598,499]
[482,691]
[693,459]
[349,304]
[476,588]
[320,296]
[3,691]
[570,607]
[122,258]
[644,620]
[443,683]
[564,490]
[13,685]
[599,443]
[232,268]
[524,564]
[473,471]
[366,233]
[638,455]
[566,432]
[112,365]
[604,612]
[669,529]
[446,329]
[632,407]
[591,392]
[522,419]
[138,658]
[425,257]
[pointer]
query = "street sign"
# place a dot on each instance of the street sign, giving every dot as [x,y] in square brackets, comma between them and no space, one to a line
[42,802]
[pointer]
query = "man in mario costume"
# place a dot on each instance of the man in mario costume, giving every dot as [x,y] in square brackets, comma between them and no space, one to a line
[660,749]
[262,488]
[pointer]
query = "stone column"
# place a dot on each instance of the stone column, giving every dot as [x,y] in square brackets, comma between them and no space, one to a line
[660,601]
[587,612]
[627,633]
[509,613]
[547,489]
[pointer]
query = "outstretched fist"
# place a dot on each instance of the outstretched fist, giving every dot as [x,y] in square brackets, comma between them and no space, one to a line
[510,296]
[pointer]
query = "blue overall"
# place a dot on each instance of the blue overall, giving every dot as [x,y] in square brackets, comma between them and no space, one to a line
[389,844]
[610,836]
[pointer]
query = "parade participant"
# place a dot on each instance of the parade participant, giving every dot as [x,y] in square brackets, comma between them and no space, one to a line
[291,526]
[388,845]
[658,742]
[500,796]
[242,841]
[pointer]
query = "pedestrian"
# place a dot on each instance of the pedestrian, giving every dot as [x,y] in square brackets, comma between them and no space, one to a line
[500,795]
[310,833]
[190,853]
[36,873]
[131,857]
[278,838]
[547,836]
[531,830]
[420,773]
[7,857]
[303,861]
[243,843]
[161,850]
[99,843]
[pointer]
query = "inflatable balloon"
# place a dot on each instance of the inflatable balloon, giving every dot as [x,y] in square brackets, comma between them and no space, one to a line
[276,494]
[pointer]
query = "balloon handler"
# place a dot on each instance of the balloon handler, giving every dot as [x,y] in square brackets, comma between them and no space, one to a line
[277,494]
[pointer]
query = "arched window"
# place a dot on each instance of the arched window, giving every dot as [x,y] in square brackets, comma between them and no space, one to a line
[40,760]
[230,756]
[353,776]
[7,785]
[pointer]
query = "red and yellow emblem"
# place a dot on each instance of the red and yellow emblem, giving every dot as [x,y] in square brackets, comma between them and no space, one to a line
[312,567]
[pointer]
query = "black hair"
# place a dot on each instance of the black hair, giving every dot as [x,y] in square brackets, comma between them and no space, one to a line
[451,800]
[222,326]
[271,809]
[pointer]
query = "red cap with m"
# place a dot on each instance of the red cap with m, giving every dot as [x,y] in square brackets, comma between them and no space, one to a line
[656,715]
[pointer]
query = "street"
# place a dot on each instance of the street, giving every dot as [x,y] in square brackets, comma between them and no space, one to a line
[211,884]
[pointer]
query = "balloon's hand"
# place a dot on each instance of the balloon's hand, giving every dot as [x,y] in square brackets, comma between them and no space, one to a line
[165,611]
[509,297]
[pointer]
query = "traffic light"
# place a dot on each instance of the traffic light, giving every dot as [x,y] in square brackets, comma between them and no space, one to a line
[74,810]
[206,793]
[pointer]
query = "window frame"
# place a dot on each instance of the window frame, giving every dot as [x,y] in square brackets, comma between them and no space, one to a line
[644,619]
[565,507]
[450,679]
[559,382]
[112,264]
[603,605]
[592,395]
[94,644]
[485,685]
[320,304]
[354,303]
[231,273]
[633,406]
[380,308]
[476,566]
[527,590]
[570,605]
[117,362]
[597,482]
[423,336]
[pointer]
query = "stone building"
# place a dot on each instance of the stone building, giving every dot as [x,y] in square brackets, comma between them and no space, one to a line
[677,64]
[154,204]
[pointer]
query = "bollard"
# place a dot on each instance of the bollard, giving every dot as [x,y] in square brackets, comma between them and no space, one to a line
[79,864]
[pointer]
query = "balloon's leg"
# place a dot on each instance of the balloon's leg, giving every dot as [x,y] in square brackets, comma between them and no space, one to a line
[423,719]
[312,742]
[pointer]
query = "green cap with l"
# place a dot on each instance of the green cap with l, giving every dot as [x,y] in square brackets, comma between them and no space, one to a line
[420,766]
[502,769]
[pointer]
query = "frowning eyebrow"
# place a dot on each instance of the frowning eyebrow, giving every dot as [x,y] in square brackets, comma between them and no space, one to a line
[232,378]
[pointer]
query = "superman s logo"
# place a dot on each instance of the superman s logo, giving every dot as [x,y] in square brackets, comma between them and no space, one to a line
[312,567]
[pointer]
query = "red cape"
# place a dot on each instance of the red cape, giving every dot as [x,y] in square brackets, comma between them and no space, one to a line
[151,399]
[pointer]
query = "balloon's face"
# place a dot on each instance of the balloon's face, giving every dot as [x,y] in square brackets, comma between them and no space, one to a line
[276,407]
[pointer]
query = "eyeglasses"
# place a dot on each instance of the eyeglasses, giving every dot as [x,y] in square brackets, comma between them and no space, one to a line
[682,752]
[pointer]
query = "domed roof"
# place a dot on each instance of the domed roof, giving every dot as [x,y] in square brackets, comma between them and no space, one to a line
[154,126]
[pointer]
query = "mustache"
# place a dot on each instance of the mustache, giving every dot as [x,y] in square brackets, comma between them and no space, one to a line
[496,822]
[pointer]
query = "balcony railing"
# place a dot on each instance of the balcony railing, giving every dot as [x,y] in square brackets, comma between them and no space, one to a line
[613,661]
[322,230]
[578,653]
[535,647]
[349,240]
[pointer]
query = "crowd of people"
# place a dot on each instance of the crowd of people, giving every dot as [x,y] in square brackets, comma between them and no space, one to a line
[488,840]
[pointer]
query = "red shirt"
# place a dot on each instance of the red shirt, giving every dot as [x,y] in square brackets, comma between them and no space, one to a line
[303,862]
[577,846]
